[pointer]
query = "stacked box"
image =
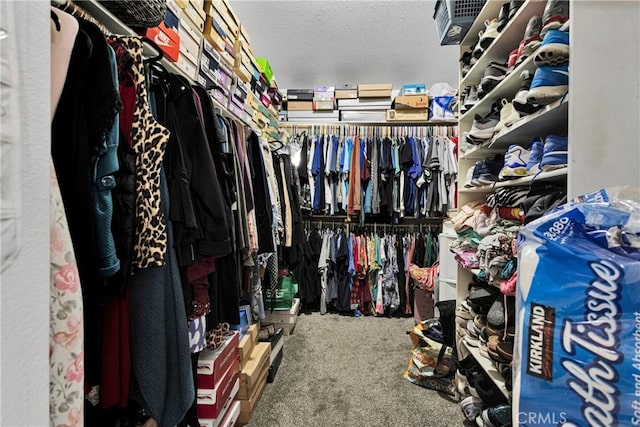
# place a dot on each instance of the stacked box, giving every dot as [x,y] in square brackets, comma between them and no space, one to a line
[377,90]
[166,33]
[276,341]
[221,29]
[190,43]
[253,379]
[285,319]
[324,98]
[218,382]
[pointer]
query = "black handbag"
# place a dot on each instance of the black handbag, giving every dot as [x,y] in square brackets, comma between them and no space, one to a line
[137,13]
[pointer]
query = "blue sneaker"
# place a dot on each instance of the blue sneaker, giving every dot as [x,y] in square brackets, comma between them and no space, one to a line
[555,155]
[535,156]
[549,84]
[554,49]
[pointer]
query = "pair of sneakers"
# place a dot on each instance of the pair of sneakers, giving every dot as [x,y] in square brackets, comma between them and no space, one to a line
[551,79]
[548,155]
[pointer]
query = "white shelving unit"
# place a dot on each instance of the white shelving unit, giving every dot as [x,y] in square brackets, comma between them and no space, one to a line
[552,119]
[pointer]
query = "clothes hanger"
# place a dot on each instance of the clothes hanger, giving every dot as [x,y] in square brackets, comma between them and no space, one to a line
[153,44]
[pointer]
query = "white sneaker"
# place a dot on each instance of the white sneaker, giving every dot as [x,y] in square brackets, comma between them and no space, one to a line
[508,116]
[515,163]
[490,33]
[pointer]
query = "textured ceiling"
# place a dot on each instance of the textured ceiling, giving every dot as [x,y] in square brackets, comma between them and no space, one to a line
[317,43]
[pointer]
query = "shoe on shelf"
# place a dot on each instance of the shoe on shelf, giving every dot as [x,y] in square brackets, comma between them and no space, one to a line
[555,154]
[535,156]
[472,97]
[519,102]
[515,163]
[531,39]
[554,49]
[490,33]
[493,75]
[549,84]
[483,128]
[472,174]
[489,170]
[508,116]
[503,17]
[465,60]
[514,5]
[511,63]
[556,13]
[478,50]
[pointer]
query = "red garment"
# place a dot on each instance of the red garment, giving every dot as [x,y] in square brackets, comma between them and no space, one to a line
[407,307]
[355,188]
[198,277]
[116,353]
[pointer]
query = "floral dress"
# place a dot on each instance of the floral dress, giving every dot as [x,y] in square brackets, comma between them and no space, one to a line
[66,336]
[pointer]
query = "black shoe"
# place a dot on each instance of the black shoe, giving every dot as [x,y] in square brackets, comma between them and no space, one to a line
[503,17]
[514,6]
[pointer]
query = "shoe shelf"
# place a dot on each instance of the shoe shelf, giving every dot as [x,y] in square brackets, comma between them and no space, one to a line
[487,365]
[507,88]
[556,174]
[490,10]
[551,119]
[506,41]
[480,152]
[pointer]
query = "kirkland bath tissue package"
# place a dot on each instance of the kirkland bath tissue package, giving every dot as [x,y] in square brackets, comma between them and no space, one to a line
[577,354]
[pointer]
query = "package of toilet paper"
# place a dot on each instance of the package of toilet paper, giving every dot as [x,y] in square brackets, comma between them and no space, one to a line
[577,354]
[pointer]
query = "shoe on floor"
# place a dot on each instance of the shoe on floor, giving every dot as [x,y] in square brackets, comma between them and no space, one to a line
[471,407]
[499,416]
[555,154]
[556,13]
[535,156]
[549,84]
[515,163]
[508,116]
[554,49]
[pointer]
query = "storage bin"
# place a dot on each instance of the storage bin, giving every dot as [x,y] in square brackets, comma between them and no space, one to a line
[454,18]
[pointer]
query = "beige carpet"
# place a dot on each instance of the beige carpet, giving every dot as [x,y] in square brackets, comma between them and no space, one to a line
[346,371]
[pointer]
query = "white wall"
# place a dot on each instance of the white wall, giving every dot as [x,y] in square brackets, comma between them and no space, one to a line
[604,91]
[24,290]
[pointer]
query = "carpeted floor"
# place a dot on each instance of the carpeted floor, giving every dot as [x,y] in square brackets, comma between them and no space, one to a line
[346,371]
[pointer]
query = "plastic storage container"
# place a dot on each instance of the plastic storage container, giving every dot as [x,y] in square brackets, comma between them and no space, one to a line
[454,18]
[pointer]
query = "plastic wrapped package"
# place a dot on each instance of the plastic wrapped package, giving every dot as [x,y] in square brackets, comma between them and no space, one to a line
[577,355]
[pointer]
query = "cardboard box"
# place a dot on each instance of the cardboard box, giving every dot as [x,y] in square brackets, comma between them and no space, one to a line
[248,406]
[377,90]
[213,36]
[211,65]
[213,364]
[265,68]
[198,5]
[167,40]
[324,93]
[323,105]
[300,94]
[243,34]
[197,17]
[226,12]
[275,365]
[173,16]
[403,102]
[414,115]
[346,93]
[287,319]
[188,67]
[415,89]
[210,402]
[189,46]
[276,96]
[252,100]
[257,365]
[229,418]
[300,105]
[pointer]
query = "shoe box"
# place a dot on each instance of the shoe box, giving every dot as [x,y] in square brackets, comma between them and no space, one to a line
[276,341]
[190,44]
[214,74]
[246,344]
[377,90]
[408,102]
[300,95]
[415,115]
[254,370]
[229,416]
[414,89]
[346,91]
[165,35]
[212,401]
[300,105]
[213,364]
[285,319]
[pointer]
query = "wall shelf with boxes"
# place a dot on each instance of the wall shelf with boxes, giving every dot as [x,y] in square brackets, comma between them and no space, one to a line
[225,65]
[481,150]
[367,103]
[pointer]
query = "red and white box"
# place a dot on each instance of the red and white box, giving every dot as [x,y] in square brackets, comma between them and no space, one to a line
[213,364]
[211,401]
